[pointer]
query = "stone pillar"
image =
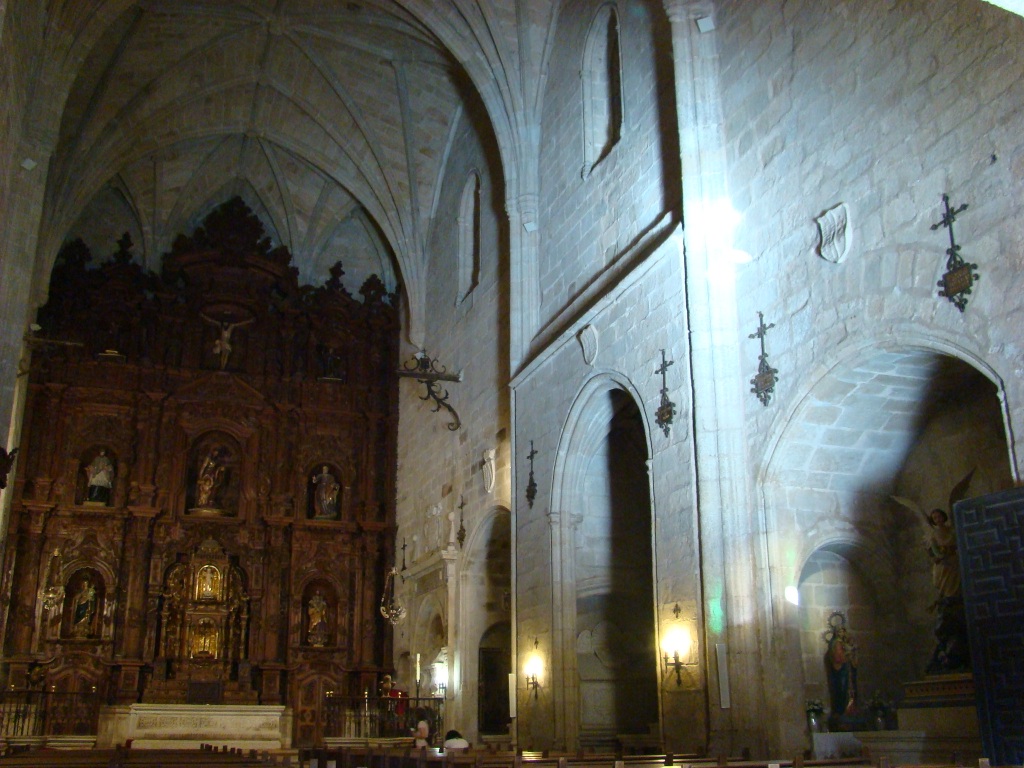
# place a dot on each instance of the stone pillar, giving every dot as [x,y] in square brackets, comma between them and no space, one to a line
[524,291]
[453,705]
[725,504]
[23,279]
[563,677]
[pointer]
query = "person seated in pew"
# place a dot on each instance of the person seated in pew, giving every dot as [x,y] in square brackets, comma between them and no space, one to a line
[453,740]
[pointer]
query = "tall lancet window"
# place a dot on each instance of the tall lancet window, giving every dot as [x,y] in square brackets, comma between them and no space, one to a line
[602,89]
[469,238]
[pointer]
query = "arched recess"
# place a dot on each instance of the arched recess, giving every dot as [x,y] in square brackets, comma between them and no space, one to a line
[602,88]
[469,237]
[485,602]
[907,420]
[430,636]
[604,659]
[85,596]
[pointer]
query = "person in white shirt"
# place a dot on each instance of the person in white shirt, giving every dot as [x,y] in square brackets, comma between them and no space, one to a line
[453,740]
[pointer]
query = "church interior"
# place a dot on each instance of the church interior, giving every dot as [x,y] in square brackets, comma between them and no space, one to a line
[586,375]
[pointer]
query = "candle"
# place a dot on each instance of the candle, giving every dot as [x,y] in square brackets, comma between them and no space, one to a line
[417,668]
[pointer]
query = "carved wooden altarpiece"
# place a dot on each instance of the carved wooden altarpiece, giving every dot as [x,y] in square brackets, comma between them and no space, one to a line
[204,502]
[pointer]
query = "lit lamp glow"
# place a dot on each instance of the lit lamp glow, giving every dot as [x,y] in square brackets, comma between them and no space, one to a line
[677,649]
[533,668]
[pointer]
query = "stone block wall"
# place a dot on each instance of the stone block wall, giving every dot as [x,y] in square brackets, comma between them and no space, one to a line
[883,107]
[439,468]
[551,400]
[591,218]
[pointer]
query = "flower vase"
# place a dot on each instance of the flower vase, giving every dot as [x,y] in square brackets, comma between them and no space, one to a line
[814,720]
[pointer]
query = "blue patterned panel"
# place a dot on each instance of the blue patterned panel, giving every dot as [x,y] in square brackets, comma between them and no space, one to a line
[990,538]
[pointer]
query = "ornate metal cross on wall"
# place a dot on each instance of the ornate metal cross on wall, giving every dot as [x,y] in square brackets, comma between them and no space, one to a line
[958,280]
[667,410]
[531,485]
[764,381]
[461,535]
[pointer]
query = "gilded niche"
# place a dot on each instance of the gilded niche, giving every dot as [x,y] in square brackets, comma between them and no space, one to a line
[205,613]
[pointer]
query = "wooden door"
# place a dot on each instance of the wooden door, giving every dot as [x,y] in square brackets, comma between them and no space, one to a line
[990,540]
[310,714]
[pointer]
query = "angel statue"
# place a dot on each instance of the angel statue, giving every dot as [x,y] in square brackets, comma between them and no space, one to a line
[952,653]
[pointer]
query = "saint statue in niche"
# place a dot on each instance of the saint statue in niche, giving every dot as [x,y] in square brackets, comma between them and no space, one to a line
[210,478]
[325,495]
[100,479]
[208,583]
[317,613]
[83,608]
[841,672]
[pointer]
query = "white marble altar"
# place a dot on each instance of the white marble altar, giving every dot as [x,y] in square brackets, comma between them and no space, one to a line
[176,726]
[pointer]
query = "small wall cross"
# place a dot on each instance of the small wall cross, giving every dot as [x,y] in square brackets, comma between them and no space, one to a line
[766,378]
[531,485]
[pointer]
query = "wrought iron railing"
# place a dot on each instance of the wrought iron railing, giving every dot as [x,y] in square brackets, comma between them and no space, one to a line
[383,717]
[30,713]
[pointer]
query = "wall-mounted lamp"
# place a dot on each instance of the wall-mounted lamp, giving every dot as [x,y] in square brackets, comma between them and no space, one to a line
[679,649]
[533,668]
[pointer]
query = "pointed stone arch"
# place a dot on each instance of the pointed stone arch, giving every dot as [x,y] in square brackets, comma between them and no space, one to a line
[602,569]
[905,416]
[601,72]
[485,601]
[469,237]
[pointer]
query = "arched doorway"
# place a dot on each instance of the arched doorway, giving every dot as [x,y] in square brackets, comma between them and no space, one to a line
[494,665]
[484,661]
[609,642]
[881,425]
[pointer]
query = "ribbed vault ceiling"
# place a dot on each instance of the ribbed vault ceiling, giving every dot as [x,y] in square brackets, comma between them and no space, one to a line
[331,119]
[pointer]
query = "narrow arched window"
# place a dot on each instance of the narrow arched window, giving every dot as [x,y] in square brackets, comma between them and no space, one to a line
[469,238]
[602,89]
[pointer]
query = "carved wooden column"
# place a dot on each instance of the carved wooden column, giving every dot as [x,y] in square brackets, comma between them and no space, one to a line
[43,466]
[368,598]
[274,610]
[25,582]
[148,423]
[133,606]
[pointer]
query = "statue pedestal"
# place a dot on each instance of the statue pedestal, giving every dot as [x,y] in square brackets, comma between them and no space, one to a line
[182,726]
[938,723]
